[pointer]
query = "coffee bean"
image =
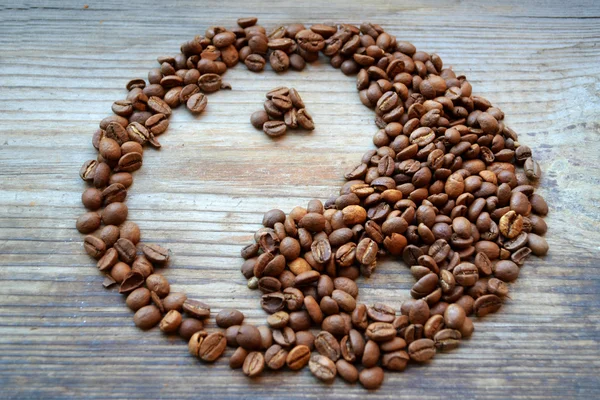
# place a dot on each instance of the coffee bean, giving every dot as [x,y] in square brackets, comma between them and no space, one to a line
[371,378]
[276,357]
[138,298]
[380,331]
[156,254]
[196,308]
[322,367]
[226,318]
[238,357]
[537,244]
[248,337]
[274,128]
[487,304]
[298,357]
[327,345]
[197,103]
[171,322]
[212,347]
[254,364]
[147,317]
[189,327]
[421,350]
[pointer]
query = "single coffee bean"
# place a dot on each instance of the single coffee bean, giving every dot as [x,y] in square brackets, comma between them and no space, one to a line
[371,378]
[537,244]
[147,317]
[454,316]
[259,118]
[327,345]
[254,364]
[381,331]
[371,354]
[197,103]
[276,357]
[487,304]
[212,347]
[88,222]
[322,367]
[158,284]
[196,308]
[274,128]
[248,337]
[347,371]
[447,339]
[170,322]
[421,350]
[156,254]
[138,298]
[226,318]
[298,357]
[189,327]
[237,358]
[174,301]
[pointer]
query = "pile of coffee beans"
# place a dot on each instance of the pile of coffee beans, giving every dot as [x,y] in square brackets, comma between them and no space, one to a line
[283,109]
[449,188]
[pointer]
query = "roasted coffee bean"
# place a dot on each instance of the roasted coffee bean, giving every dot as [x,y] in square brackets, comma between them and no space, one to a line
[138,298]
[170,322]
[298,357]
[276,357]
[378,312]
[237,358]
[371,378]
[380,331]
[487,304]
[226,318]
[196,308]
[189,327]
[327,345]
[147,317]
[322,367]
[254,364]
[421,350]
[248,337]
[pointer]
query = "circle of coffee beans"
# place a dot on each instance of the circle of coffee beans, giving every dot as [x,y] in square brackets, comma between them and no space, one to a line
[448,188]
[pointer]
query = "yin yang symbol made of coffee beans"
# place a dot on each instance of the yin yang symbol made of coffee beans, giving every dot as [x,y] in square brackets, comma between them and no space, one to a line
[448,188]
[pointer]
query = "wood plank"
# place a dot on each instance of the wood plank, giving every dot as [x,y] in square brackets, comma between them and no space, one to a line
[203,194]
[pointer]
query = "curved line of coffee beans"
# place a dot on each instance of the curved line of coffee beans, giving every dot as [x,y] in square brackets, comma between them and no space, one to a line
[442,190]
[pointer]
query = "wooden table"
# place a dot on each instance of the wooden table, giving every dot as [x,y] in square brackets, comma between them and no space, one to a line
[203,194]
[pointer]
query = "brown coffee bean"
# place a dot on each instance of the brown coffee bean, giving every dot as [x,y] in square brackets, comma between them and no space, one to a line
[421,350]
[138,298]
[196,308]
[156,254]
[454,316]
[228,317]
[537,244]
[276,357]
[259,118]
[274,128]
[88,222]
[158,284]
[170,322]
[248,337]
[298,357]
[346,371]
[284,337]
[327,345]
[506,270]
[174,301]
[114,214]
[447,339]
[371,378]
[94,247]
[195,341]
[487,304]
[466,274]
[322,367]
[237,358]
[189,327]
[380,331]
[197,103]
[147,317]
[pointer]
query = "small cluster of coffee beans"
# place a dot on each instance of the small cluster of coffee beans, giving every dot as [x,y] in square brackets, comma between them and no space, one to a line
[449,189]
[283,109]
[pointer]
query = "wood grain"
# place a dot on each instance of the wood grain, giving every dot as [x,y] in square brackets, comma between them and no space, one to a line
[202,195]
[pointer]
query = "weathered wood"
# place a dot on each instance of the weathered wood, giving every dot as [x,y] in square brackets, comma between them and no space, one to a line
[203,193]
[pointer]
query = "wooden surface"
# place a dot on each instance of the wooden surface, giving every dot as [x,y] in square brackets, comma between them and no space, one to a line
[203,194]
